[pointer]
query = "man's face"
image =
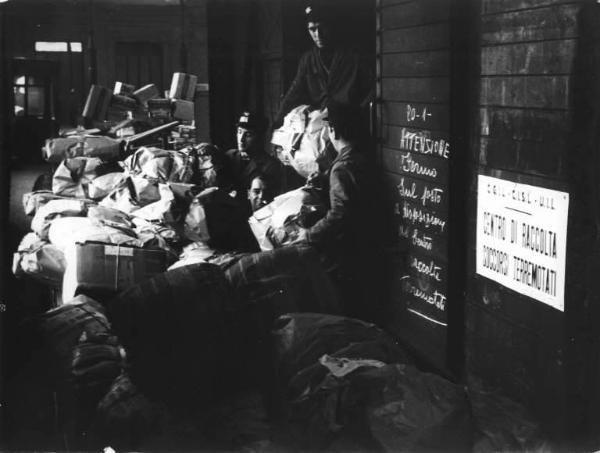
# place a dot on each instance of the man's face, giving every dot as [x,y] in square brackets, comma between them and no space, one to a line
[257,194]
[319,33]
[246,139]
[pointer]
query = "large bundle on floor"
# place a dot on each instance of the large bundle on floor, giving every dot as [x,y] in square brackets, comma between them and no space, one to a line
[347,384]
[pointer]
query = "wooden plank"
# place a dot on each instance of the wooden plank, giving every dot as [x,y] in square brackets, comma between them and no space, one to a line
[547,57]
[418,191]
[429,143]
[415,13]
[554,22]
[546,158]
[415,165]
[497,6]
[524,124]
[431,63]
[551,92]
[426,37]
[433,89]
[430,116]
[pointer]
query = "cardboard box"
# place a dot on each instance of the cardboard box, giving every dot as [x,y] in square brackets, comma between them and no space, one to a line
[123,103]
[124,89]
[96,105]
[104,269]
[183,110]
[145,93]
[160,108]
[183,86]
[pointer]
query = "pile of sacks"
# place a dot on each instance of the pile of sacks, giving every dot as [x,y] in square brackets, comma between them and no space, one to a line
[141,205]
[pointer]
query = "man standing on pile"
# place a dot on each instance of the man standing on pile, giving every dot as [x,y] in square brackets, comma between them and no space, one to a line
[325,72]
[346,236]
[250,160]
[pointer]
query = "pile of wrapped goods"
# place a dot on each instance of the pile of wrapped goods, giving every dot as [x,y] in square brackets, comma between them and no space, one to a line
[302,142]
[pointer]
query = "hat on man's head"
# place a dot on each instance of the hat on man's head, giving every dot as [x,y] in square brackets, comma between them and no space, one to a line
[250,120]
[314,12]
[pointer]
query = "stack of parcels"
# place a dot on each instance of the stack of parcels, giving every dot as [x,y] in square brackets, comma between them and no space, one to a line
[182,136]
[303,141]
[126,102]
[107,224]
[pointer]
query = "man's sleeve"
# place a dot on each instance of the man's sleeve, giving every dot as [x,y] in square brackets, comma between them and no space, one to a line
[296,94]
[342,196]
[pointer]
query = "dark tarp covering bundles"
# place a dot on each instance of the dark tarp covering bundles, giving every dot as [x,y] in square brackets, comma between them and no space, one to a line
[302,338]
[84,357]
[62,327]
[409,410]
[125,416]
[281,281]
[349,384]
[179,331]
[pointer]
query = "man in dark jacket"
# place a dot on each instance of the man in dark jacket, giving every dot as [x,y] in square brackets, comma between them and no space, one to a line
[325,72]
[346,235]
[249,159]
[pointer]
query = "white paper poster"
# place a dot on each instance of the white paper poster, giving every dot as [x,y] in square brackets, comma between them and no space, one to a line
[522,238]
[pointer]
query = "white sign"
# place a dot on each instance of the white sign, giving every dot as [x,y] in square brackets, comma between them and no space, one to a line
[522,238]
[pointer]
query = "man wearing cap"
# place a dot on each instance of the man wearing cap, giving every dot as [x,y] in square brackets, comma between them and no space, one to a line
[249,159]
[325,72]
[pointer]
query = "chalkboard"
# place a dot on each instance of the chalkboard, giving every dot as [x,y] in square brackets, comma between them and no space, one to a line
[415,151]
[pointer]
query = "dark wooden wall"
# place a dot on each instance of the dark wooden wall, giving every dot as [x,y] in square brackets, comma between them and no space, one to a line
[414,93]
[29,21]
[524,133]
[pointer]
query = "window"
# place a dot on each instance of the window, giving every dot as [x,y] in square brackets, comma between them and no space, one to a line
[57,46]
[29,96]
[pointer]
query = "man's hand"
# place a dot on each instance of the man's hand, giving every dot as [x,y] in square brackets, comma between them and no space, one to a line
[277,236]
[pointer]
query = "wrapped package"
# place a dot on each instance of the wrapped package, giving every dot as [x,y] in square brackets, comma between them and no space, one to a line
[306,150]
[145,93]
[153,234]
[123,89]
[162,165]
[183,86]
[160,210]
[195,225]
[183,110]
[300,208]
[210,169]
[40,260]
[101,186]
[108,269]
[105,148]
[133,193]
[65,231]
[110,217]
[196,252]
[67,207]
[73,176]
[96,105]
[32,201]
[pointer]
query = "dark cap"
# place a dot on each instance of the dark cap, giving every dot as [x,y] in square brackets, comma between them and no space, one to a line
[316,13]
[250,120]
